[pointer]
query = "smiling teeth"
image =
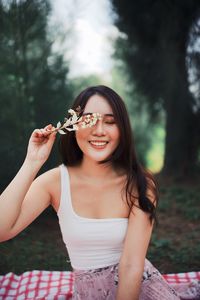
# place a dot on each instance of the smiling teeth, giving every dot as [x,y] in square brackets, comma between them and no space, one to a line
[98,143]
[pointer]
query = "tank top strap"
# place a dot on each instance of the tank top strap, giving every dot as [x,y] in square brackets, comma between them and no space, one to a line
[65,190]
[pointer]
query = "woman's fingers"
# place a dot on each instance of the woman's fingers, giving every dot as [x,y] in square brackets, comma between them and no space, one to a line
[43,133]
[49,129]
[40,143]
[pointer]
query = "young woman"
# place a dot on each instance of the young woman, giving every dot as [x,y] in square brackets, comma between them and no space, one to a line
[104,199]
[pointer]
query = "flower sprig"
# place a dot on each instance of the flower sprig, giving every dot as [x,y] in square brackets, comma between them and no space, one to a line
[75,121]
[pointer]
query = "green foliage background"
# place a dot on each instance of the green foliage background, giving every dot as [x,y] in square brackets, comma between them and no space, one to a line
[35,90]
[34,85]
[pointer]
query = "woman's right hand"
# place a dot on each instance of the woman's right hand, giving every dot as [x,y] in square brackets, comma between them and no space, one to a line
[40,145]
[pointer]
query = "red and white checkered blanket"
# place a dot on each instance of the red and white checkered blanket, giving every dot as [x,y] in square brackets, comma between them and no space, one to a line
[53,285]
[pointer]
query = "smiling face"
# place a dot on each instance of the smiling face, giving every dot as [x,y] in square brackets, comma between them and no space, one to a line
[99,141]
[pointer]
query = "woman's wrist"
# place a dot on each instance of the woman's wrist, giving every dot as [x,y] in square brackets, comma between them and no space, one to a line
[32,165]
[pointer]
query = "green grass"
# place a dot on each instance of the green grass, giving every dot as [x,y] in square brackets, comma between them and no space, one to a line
[39,247]
[174,246]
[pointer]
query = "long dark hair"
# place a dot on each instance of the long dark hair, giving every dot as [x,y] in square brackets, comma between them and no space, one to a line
[140,186]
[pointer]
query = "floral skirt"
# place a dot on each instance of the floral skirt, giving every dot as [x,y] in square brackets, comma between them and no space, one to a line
[99,284]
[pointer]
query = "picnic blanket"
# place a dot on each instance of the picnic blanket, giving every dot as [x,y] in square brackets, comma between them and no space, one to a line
[58,285]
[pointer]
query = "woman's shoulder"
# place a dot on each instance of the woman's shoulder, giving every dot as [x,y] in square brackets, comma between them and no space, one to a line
[51,174]
[52,180]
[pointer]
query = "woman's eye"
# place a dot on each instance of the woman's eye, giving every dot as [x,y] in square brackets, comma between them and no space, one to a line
[110,121]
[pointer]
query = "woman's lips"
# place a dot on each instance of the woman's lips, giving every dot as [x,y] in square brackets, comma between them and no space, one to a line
[98,144]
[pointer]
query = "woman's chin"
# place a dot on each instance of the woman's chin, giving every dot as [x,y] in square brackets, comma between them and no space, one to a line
[97,157]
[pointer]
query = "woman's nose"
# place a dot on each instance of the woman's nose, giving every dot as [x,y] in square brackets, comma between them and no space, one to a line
[98,128]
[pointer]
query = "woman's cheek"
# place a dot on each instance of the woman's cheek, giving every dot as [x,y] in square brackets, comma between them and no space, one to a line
[81,136]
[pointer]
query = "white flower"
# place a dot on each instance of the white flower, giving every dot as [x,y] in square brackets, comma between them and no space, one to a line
[71,124]
[61,131]
[58,125]
[71,112]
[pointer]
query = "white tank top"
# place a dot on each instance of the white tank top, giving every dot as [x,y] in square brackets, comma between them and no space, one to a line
[91,243]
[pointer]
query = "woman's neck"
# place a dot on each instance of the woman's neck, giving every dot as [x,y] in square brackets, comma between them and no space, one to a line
[92,169]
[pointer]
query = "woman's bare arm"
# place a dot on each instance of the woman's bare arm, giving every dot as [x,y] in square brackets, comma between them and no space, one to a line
[131,265]
[24,199]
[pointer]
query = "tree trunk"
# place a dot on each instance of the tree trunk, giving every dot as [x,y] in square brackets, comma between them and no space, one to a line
[181,149]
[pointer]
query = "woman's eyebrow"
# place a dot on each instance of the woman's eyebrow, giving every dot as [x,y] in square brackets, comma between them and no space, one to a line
[89,113]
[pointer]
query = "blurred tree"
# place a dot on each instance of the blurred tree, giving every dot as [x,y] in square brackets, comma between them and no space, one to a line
[80,83]
[34,90]
[193,65]
[138,113]
[155,51]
